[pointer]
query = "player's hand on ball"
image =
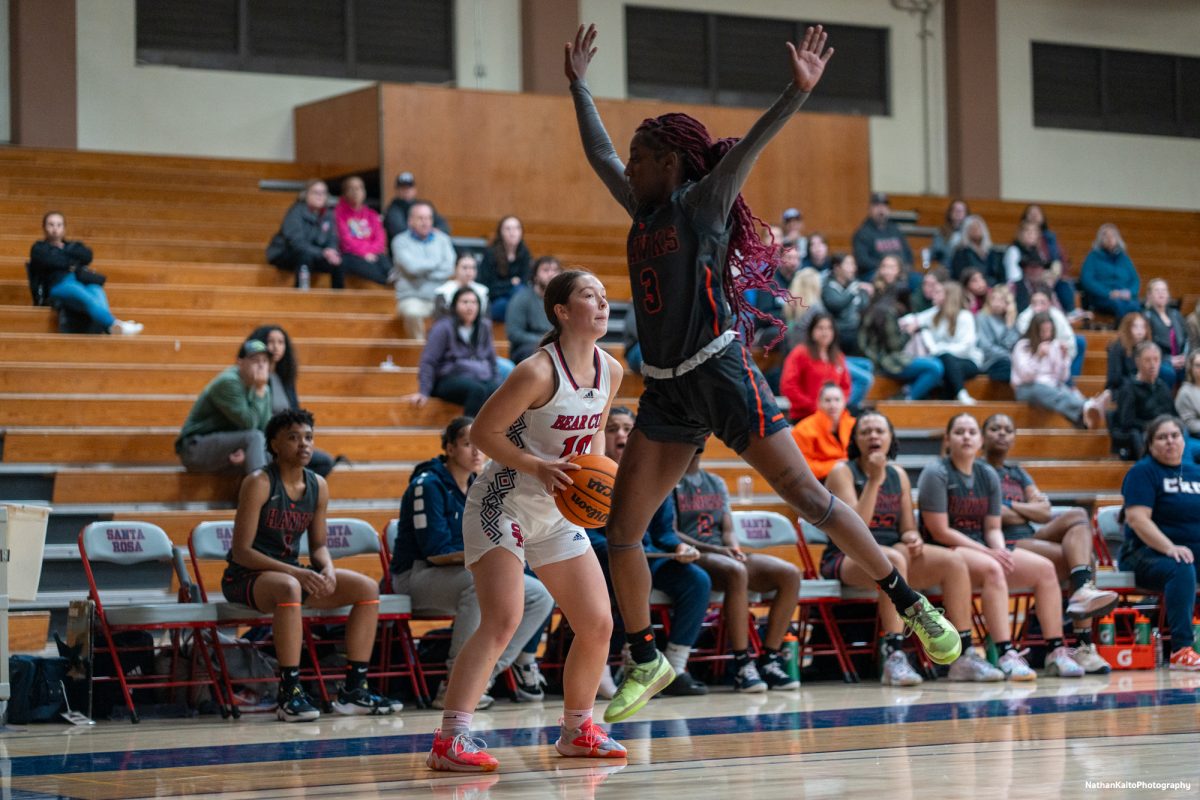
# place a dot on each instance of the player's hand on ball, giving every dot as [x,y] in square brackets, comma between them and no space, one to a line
[553,474]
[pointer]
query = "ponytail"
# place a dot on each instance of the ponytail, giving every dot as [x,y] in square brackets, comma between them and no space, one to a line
[558,292]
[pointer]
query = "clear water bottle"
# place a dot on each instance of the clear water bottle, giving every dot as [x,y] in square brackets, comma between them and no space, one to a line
[1156,641]
[745,490]
[303,278]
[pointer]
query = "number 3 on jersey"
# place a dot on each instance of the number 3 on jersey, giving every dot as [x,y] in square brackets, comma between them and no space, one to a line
[576,446]
[651,296]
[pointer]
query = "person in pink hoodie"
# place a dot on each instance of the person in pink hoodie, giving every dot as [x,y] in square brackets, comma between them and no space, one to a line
[361,238]
[1041,371]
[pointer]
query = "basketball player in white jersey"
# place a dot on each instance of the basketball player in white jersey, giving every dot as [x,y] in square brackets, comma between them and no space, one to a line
[551,408]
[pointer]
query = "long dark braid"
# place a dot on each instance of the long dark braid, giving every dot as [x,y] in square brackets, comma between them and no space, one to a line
[749,264]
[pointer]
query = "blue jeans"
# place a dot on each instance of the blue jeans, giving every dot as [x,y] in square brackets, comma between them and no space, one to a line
[1107,305]
[862,375]
[1177,582]
[688,587]
[923,375]
[88,298]
[1077,362]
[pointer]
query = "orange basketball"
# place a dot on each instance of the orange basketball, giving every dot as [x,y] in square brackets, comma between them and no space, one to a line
[586,502]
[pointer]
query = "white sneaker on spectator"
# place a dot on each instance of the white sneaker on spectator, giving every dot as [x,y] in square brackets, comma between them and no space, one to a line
[439,702]
[530,682]
[971,666]
[1016,668]
[898,672]
[1088,601]
[965,398]
[1092,662]
[126,328]
[1060,663]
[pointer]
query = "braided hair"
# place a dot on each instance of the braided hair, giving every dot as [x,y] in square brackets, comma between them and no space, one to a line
[750,264]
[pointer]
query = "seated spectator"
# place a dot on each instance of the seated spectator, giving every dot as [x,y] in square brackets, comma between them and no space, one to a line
[879,236]
[1193,328]
[1042,302]
[1167,328]
[361,238]
[845,297]
[466,269]
[428,561]
[62,270]
[767,330]
[276,506]
[961,504]
[793,232]
[526,322]
[705,521]
[1064,537]
[824,435]
[819,256]
[889,348]
[308,237]
[806,291]
[285,367]
[458,363]
[1133,330]
[809,367]
[1139,401]
[1041,371]
[890,271]
[1161,536]
[1034,274]
[948,333]
[975,250]
[506,265]
[396,218]
[975,289]
[1187,399]
[997,333]
[878,490]
[948,234]
[1108,279]
[1024,247]
[224,430]
[930,283]
[1049,249]
[423,259]
[673,571]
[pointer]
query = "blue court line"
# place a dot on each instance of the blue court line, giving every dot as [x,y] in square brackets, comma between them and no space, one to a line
[225,755]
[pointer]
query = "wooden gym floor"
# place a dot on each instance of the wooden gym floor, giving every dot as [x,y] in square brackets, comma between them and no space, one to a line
[939,740]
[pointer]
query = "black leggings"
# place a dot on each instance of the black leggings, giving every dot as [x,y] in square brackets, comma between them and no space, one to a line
[376,271]
[958,372]
[472,393]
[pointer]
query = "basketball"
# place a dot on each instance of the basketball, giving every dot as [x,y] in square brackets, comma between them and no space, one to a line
[586,502]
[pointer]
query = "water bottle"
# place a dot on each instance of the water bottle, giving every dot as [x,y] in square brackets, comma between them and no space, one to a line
[1156,640]
[1141,630]
[303,278]
[1196,634]
[791,654]
[1108,630]
[925,254]
[745,490]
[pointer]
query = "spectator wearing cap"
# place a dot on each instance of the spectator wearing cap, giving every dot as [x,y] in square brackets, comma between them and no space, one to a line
[224,430]
[395,219]
[423,259]
[361,238]
[793,231]
[308,237]
[879,236]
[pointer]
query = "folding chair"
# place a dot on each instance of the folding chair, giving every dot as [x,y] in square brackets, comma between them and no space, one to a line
[1108,532]
[127,544]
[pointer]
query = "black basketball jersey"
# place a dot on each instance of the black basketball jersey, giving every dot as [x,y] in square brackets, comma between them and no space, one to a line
[885,519]
[282,521]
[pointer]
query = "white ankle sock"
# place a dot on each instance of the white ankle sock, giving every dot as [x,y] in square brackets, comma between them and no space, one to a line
[677,657]
[456,722]
[524,658]
[573,719]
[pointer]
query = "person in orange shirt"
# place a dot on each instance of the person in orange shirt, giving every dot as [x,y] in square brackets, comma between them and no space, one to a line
[824,436]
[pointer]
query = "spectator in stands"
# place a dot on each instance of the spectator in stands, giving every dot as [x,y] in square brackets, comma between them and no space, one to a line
[948,234]
[975,250]
[526,322]
[824,435]
[1042,301]
[879,236]
[224,430]
[793,232]
[1063,536]
[870,482]
[1167,328]
[1024,247]
[308,237]
[276,506]
[396,217]
[673,571]
[458,364]
[1193,328]
[1161,537]
[423,259]
[845,297]
[285,367]
[1133,330]
[1109,281]
[818,256]
[506,265]
[890,348]
[890,271]
[704,520]
[997,333]
[361,238]
[948,333]
[428,560]
[1141,400]
[1048,248]
[1034,274]
[809,367]
[975,289]
[806,291]
[961,505]
[466,269]
[1187,399]
[775,305]
[1041,371]
[930,286]
[62,270]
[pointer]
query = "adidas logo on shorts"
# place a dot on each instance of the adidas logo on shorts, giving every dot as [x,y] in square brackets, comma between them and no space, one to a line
[578,537]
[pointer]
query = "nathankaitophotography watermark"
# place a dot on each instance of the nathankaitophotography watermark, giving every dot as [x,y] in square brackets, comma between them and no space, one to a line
[1145,786]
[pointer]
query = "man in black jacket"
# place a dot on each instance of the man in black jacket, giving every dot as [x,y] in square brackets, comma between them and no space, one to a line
[396,218]
[877,237]
[308,237]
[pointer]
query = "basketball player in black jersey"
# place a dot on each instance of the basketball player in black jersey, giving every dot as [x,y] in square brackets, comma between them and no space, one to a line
[277,505]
